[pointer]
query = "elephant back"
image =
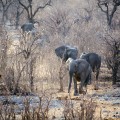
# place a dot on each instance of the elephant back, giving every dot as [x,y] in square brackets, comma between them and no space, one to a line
[93,59]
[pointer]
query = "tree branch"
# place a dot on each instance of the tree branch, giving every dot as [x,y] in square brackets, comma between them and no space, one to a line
[109,15]
[2,3]
[9,5]
[41,7]
[99,5]
[6,4]
[26,8]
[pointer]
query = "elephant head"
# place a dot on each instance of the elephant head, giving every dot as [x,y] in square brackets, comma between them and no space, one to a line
[79,70]
[64,52]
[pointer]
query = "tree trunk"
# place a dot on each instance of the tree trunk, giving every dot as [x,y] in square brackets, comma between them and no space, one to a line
[114,73]
[61,79]
[17,17]
[31,76]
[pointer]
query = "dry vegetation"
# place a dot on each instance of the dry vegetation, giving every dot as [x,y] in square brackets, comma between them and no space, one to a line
[29,66]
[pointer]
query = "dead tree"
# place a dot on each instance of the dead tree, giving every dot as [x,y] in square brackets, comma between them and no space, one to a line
[3,49]
[5,4]
[28,51]
[19,12]
[105,6]
[113,57]
[59,23]
[29,9]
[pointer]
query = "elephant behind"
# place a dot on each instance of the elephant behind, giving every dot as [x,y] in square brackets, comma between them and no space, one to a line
[94,60]
[79,70]
[64,52]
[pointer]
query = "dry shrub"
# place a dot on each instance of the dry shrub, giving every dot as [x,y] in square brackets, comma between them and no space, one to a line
[39,112]
[7,112]
[35,114]
[85,111]
[9,79]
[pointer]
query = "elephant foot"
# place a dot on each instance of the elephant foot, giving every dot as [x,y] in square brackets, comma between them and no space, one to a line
[96,87]
[76,93]
[89,83]
[82,92]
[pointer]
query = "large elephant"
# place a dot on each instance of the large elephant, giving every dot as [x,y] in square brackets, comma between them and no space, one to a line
[94,60]
[79,70]
[64,52]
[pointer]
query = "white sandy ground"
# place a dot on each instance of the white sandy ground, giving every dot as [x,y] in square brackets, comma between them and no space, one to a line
[107,99]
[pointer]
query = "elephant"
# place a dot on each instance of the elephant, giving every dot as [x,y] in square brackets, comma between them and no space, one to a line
[64,52]
[94,60]
[79,70]
[27,27]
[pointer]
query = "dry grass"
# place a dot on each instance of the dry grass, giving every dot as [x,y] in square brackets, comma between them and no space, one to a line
[74,29]
[8,110]
[84,111]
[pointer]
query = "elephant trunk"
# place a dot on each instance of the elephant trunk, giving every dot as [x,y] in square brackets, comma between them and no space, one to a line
[70,81]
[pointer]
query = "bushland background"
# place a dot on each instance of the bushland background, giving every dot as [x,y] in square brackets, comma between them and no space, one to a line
[28,63]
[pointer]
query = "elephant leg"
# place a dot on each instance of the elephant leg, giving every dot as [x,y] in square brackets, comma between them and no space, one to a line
[81,85]
[97,74]
[81,91]
[70,81]
[90,79]
[96,84]
[87,81]
[75,87]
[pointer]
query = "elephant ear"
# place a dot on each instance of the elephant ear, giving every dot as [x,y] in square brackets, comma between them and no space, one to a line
[60,51]
[65,52]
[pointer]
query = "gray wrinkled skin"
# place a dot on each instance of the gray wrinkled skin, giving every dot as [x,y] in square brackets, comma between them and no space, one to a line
[79,70]
[94,60]
[64,52]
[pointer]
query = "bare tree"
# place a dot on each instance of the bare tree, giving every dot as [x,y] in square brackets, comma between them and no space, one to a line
[59,22]
[27,52]
[5,4]
[113,56]
[3,49]
[29,9]
[23,62]
[19,12]
[109,7]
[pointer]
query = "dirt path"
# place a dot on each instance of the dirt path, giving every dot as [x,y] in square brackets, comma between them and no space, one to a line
[107,99]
